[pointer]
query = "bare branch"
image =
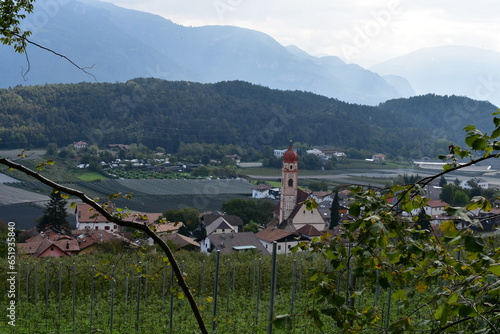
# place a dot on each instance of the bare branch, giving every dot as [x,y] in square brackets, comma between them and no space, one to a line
[139,226]
[83,69]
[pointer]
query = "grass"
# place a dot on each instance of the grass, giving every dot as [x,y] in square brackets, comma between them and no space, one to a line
[90,176]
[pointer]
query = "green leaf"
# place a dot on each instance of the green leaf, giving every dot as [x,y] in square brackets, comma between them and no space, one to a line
[283,321]
[466,311]
[474,243]
[448,228]
[479,144]
[354,209]
[495,269]
[399,295]
[453,298]
[496,121]
[469,128]
[469,140]
[495,132]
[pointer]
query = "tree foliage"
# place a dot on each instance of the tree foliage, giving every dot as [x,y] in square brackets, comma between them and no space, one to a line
[12,12]
[443,278]
[258,211]
[187,216]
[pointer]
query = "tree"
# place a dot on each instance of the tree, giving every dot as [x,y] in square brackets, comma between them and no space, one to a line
[442,181]
[259,211]
[318,186]
[188,216]
[52,149]
[12,12]
[334,214]
[54,214]
[251,227]
[452,273]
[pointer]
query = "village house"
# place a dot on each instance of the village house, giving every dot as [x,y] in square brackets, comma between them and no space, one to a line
[232,242]
[182,242]
[88,218]
[285,240]
[54,243]
[379,158]
[435,208]
[265,191]
[80,145]
[279,153]
[219,222]
[236,158]
[467,184]
[317,153]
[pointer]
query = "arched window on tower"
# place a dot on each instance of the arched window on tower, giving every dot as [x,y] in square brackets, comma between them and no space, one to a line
[290,183]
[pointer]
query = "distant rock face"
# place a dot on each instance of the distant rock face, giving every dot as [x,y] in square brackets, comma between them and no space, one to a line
[449,70]
[118,44]
[400,84]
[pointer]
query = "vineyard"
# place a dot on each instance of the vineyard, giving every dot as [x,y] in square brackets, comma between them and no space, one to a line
[137,294]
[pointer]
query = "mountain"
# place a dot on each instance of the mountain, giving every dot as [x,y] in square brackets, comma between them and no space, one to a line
[448,70]
[159,113]
[118,44]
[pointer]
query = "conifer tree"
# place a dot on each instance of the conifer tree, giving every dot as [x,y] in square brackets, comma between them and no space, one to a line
[335,216]
[54,214]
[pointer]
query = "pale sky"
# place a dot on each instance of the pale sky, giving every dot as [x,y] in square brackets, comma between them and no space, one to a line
[358,31]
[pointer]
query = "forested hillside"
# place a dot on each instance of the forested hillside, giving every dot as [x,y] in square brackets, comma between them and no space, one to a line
[161,113]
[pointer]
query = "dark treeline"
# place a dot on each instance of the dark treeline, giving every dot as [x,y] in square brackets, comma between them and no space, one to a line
[159,113]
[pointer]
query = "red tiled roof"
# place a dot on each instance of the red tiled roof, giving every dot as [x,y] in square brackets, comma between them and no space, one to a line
[271,234]
[309,230]
[437,203]
[168,227]
[86,214]
[262,186]
[181,240]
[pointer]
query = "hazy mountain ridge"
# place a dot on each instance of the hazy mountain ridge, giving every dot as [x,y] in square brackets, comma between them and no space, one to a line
[122,44]
[449,70]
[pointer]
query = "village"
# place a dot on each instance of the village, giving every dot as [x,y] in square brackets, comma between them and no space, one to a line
[294,222]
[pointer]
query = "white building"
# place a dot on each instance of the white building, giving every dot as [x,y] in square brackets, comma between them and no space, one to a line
[480,183]
[279,153]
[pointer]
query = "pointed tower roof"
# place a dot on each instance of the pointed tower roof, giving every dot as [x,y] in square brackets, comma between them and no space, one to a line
[290,155]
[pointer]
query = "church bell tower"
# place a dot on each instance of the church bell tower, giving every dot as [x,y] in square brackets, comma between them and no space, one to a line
[289,183]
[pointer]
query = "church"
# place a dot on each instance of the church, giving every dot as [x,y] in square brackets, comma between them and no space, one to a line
[291,213]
